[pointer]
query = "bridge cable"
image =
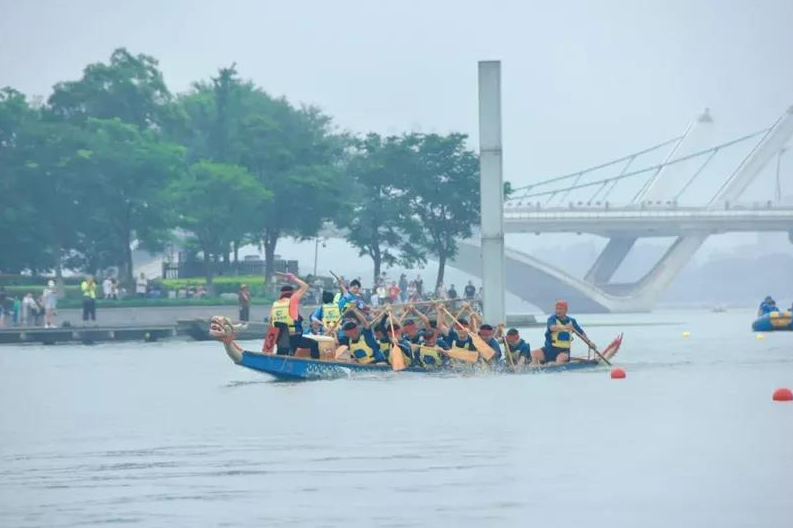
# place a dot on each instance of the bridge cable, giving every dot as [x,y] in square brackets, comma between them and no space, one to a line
[644,170]
[597,167]
[697,173]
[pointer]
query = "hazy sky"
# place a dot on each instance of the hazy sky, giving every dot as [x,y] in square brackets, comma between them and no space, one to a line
[582,81]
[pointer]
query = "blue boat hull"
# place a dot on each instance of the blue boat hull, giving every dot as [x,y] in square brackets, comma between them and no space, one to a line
[773,322]
[298,369]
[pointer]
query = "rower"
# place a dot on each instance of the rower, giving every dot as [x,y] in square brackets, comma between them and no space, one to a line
[328,313]
[559,337]
[361,342]
[427,351]
[517,348]
[486,333]
[767,306]
[285,315]
[410,331]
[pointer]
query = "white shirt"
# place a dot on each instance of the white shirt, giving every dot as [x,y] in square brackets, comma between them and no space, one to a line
[107,287]
[140,286]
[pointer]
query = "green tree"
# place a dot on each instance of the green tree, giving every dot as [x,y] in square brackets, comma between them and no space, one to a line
[126,174]
[130,88]
[292,152]
[379,223]
[443,190]
[40,161]
[215,202]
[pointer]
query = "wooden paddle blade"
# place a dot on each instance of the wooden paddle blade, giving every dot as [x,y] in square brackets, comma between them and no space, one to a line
[397,358]
[483,348]
[469,356]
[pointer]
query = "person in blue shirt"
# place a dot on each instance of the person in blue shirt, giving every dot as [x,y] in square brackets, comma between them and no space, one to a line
[361,343]
[558,337]
[326,314]
[767,306]
[351,295]
[517,348]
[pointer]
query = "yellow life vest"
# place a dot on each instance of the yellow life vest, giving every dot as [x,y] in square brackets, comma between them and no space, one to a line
[561,339]
[361,351]
[279,313]
[429,357]
[337,298]
[385,346]
[88,291]
[330,314]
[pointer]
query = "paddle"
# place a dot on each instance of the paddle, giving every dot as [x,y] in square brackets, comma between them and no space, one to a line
[479,343]
[469,356]
[592,347]
[397,358]
[507,351]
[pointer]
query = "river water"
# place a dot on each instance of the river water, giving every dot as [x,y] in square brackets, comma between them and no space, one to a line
[174,434]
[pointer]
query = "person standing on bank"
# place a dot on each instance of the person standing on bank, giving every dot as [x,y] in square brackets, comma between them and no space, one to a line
[50,296]
[244,300]
[88,288]
[141,285]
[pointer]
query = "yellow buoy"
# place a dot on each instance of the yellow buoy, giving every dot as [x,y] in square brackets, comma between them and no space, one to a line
[760,337]
[686,334]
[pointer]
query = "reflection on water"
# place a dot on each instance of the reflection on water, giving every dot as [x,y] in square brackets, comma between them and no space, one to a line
[174,434]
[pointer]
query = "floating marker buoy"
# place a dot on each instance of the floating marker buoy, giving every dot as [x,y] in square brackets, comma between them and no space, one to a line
[147,336]
[759,337]
[783,394]
[686,334]
[617,373]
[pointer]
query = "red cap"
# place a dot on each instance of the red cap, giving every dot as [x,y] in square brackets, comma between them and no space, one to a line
[560,304]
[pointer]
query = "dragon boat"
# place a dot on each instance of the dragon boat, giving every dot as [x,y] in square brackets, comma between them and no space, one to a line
[299,367]
[773,321]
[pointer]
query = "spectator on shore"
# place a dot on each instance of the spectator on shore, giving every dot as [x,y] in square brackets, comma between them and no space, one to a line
[50,297]
[88,289]
[16,310]
[141,285]
[244,300]
[38,314]
[200,291]
[419,286]
[2,306]
[29,310]
[115,292]
[403,287]
[393,292]
[470,291]
[107,289]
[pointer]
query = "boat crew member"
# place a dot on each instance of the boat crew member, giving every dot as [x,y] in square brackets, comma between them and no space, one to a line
[558,337]
[410,331]
[351,295]
[517,348]
[362,344]
[285,315]
[328,313]
[767,306]
[426,353]
[486,333]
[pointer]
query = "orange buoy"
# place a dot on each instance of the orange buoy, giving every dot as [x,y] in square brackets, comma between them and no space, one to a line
[617,373]
[783,394]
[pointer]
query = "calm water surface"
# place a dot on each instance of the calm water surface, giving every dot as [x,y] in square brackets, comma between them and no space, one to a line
[173,434]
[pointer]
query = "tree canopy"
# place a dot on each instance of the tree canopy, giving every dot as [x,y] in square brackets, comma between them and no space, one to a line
[114,160]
